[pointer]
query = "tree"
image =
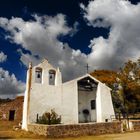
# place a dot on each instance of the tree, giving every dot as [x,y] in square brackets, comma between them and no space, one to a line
[125,85]
[129,76]
[49,118]
[105,76]
[110,78]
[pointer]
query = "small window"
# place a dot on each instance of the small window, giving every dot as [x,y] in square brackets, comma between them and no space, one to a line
[38,75]
[51,77]
[93,104]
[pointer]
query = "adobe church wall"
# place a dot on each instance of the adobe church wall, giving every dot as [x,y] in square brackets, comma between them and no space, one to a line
[105,106]
[59,131]
[70,103]
[43,96]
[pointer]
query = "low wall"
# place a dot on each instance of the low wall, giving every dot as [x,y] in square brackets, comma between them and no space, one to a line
[135,125]
[54,131]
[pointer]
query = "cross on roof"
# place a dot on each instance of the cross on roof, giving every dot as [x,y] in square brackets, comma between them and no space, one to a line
[87,67]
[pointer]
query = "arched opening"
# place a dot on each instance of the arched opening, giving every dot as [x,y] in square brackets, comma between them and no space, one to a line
[87,90]
[52,77]
[38,75]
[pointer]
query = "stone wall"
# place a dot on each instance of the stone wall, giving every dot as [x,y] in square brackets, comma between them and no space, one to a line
[14,104]
[135,125]
[55,131]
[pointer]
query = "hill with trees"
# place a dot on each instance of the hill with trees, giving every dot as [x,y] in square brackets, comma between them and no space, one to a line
[125,85]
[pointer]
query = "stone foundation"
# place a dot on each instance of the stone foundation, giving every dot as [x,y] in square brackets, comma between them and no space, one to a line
[56,131]
[134,125]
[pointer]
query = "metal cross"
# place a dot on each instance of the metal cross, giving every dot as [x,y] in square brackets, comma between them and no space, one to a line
[87,67]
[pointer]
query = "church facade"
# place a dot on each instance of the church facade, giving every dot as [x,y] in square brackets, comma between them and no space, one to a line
[84,99]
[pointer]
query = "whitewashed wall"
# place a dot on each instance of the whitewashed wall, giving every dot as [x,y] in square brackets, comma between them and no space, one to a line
[25,104]
[70,103]
[104,103]
[44,97]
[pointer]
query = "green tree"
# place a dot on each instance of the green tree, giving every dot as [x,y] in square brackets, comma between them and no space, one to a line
[49,118]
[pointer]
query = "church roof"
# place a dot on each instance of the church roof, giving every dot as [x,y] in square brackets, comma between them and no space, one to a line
[87,75]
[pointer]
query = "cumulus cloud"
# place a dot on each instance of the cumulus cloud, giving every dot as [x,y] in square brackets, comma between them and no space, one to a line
[123,42]
[41,37]
[9,85]
[75,29]
[3,57]
[26,58]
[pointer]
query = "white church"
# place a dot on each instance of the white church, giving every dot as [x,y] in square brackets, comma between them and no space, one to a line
[45,91]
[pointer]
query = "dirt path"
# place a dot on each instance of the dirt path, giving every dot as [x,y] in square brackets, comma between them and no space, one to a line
[124,136]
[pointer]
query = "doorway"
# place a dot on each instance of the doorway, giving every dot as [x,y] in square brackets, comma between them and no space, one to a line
[11,115]
[87,89]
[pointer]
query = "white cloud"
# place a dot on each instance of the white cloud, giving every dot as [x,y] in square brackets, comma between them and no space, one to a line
[26,58]
[3,57]
[40,37]
[123,42]
[75,29]
[9,85]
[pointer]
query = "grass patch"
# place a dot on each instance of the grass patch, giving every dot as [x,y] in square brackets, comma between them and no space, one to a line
[6,131]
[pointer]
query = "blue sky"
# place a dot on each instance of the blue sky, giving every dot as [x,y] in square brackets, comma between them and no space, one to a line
[103,33]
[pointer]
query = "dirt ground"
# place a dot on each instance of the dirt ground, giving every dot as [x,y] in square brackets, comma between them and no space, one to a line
[7,132]
[124,136]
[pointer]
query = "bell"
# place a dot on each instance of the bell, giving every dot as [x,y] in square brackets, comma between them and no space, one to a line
[51,77]
[38,75]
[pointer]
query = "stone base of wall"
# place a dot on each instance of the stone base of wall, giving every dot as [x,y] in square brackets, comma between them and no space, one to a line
[57,131]
[134,125]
